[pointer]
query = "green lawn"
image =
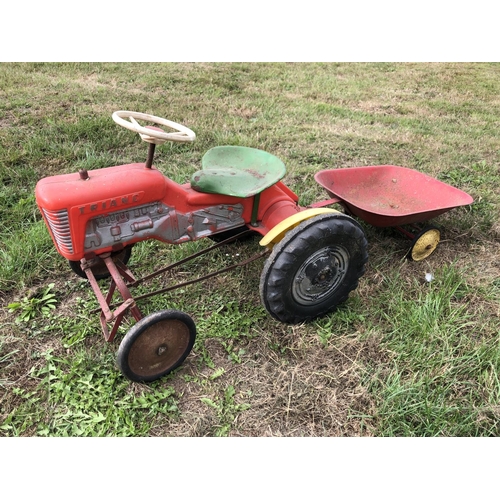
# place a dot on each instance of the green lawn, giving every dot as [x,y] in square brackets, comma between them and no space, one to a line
[402,357]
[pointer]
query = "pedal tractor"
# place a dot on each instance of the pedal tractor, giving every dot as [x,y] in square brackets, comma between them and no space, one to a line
[315,256]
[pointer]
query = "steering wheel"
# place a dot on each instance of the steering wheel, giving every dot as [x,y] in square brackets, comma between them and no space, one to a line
[153,134]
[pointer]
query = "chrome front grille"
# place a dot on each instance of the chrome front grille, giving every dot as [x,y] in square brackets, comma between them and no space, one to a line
[58,221]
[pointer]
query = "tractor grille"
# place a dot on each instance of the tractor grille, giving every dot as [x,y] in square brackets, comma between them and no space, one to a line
[59,225]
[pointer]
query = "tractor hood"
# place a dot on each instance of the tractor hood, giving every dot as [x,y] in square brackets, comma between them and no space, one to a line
[104,190]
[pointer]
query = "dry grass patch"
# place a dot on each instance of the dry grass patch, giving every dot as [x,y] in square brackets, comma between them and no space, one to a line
[304,390]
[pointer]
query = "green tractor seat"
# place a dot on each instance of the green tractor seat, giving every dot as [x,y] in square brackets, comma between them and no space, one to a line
[237,171]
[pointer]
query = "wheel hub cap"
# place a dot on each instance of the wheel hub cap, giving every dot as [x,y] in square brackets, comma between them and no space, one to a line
[320,275]
[159,347]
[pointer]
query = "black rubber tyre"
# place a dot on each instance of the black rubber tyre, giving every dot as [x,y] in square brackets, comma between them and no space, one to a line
[314,268]
[156,345]
[100,270]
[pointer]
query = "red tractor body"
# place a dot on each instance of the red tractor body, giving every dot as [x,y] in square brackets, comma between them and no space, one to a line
[316,255]
[90,213]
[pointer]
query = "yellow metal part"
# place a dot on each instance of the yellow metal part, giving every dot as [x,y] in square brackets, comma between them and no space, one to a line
[278,232]
[425,244]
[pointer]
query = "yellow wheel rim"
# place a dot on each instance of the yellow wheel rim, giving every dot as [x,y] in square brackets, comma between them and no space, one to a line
[425,244]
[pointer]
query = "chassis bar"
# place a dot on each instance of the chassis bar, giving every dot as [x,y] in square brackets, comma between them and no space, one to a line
[122,280]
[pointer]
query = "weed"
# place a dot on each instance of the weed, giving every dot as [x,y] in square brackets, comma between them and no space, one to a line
[83,397]
[29,308]
[226,410]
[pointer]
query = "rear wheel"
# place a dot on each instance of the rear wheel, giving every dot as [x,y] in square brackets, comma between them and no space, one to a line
[314,268]
[100,269]
[156,345]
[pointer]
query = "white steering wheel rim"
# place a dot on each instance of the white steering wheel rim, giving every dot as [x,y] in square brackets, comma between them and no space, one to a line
[182,134]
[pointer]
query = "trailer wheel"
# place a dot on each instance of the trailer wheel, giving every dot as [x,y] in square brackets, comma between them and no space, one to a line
[314,268]
[424,243]
[100,270]
[156,345]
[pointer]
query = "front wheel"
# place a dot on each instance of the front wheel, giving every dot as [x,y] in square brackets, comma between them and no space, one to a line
[156,345]
[314,268]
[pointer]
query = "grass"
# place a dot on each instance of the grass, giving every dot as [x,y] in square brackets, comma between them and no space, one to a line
[440,350]
[403,356]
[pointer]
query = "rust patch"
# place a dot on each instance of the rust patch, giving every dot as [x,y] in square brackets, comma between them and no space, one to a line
[255,173]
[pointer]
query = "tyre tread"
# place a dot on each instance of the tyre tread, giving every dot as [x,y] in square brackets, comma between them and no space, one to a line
[296,245]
